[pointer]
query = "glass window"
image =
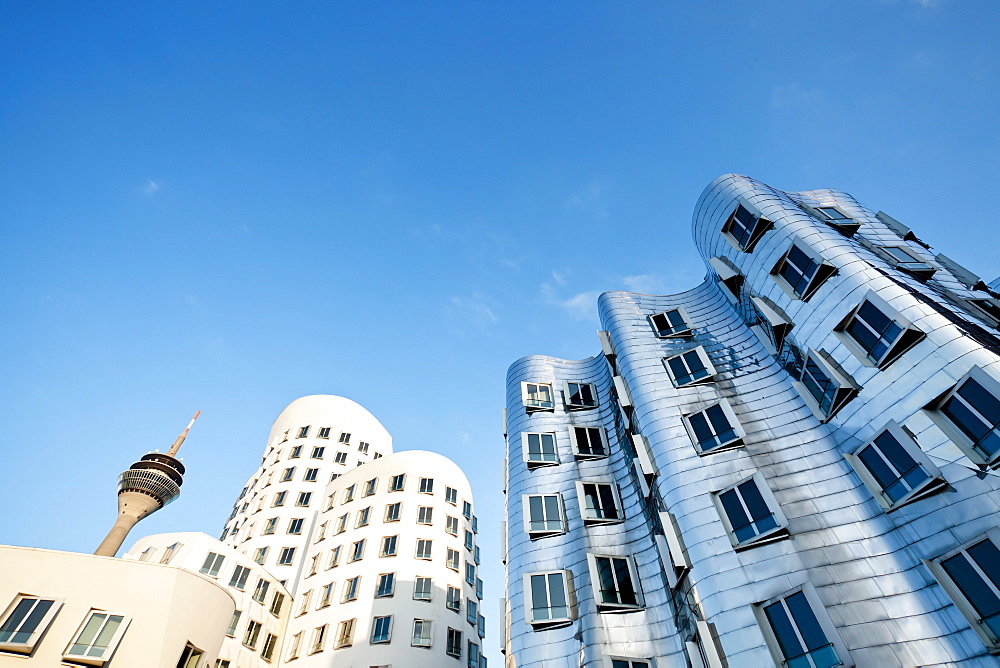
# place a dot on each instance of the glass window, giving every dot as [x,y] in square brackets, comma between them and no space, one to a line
[599,502]
[310,475]
[826,389]
[169,553]
[396,482]
[796,634]
[589,442]
[750,512]
[671,323]
[389,546]
[971,577]
[537,396]
[233,622]
[451,559]
[451,495]
[425,515]
[421,633]
[453,647]
[345,634]
[743,228]
[357,550]
[349,494]
[473,655]
[363,448]
[267,651]
[381,628]
[340,457]
[239,579]
[318,639]
[260,592]
[212,565]
[260,555]
[287,474]
[620,662]
[971,416]
[615,582]
[296,452]
[370,487]
[548,599]
[295,526]
[351,586]
[326,596]
[468,539]
[317,452]
[345,437]
[580,395]
[471,611]
[303,432]
[27,620]
[324,432]
[800,272]
[454,599]
[286,556]
[423,548]
[422,589]
[363,517]
[190,657]
[335,556]
[543,514]
[276,602]
[714,428]
[426,486]
[894,468]
[451,525]
[467,510]
[833,215]
[875,336]
[386,585]
[98,637]
[539,449]
[293,652]
[392,512]
[689,368]
[279,499]
[470,573]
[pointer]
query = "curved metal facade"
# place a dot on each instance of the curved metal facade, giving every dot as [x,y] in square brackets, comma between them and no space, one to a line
[870,568]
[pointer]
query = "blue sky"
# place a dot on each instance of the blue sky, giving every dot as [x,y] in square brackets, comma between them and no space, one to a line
[227,207]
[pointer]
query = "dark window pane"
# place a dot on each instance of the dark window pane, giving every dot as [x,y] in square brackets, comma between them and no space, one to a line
[783,630]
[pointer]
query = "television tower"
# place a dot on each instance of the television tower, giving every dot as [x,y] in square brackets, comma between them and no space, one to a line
[148,485]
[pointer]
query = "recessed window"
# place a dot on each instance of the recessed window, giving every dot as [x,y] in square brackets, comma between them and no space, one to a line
[539,449]
[349,494]
[364,516]
[317,452]
[424,548]
[340,458]
[473,655]
[363,448]
[303,499]
[537,397]
[97,639]
[335,556]
[421,633]
[622,662]
[969,414]
[345,437]
[467,510]
[988,308]
[318,639]
[894,468]
[470,573]
[451,559]
[260,555]
[252,634]
[543,515]
[599,502]
[453,600]
[451,495]
[25,622]
[293,652]
[615,582]
[907,260]
[836,218]
[234,620]
[287,474]
[690,368]
[386,585]
[396,482]
[800,272]
[269,526]
[589,442]
[213,562]
[351,587]
[345,634]
[310,475]
[471,611]
[303,432]
[286,556]
[190,657]
[392,512]
[389,546]
[357,550]
[750,512]
[296,452]
[239,579]
[970,576]
[304,602]
[876,333]
[425,515]
[326,596]
[547,599]
[730,279]
[267,651]
[341,523]
[672,323]
[324,432]
[276,602]
[715,428]
[469,538]
[744,228]
[579,395]
[451,525]
[381,629]
[426,486]
[422,589]
[453,644]
[370,487]
[799,632]
[824,387]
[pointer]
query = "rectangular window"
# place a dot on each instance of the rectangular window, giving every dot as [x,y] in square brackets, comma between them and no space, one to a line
[744,229]
[386,585]
[421,633]
[357,550]
[389,546]
[470,573]
[894,468]
[364,515]
[970,576]
[579,395]
[537,397]
[454,599]
[286,556]
[715,428]
[425,515]
[351,586]
[349,493]
[326,596]
[276,602]
[467,510]
[422,589]
[589,442]
[392,512]
[335,556]
[295,526]
[314,564]
[303,432]
[239,579]
[426,486]
[252,634]
[471,611]
[340,457]
[98,638]
[622,662]
[615,582]
[799,632]
[543,515]
[287,474]
[296,452]
[212,565]
[169,553]
[363,448]
[25,621]
[342,523]
[539,449]
[453,646]
[318,639]
[451,560]
[324,432]
[469,539]
[345,634]
[381,629]
[310,475]
[969,414]
[800,272]
[905,259]
[836,218]
[451,495]
[876,334]
[233,622]
[304,498]
[750,512]
[317,452]
[279,499]
[370,487]
[260,555]
[304,602]
[672,323]
[599,502]
[267,651]
[190,657]
[548,599]
[260,592]
[451,525]
[293,652]
[690,368]
[396,482]
[473,655]
[423,549]
[345,437]
[826,388]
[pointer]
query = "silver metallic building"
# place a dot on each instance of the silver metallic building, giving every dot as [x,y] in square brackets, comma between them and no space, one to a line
[793,463]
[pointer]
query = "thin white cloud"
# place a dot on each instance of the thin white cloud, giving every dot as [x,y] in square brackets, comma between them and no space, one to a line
[475,307]
[151,187]
[581,306]
[590,200]
[558,278]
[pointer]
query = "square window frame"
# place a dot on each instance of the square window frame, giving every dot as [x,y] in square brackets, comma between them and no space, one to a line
[533,463]
[683,333]
[919,266]
[28,647]
[824,271]
[847,388]
[780,532]
[578,407]
[633,573]
[703,357]
[576,448]
[529,408]
[956,435]
[760,227]
[582,503]
[907,339]
[526,516]
[571,604]
[112,643]
[822,617]
[734,422]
